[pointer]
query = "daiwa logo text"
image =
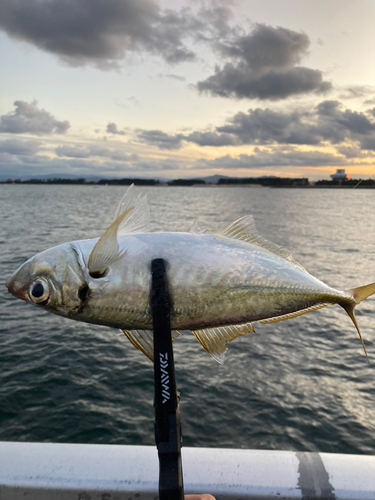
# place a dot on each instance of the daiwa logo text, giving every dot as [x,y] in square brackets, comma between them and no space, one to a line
[164,377]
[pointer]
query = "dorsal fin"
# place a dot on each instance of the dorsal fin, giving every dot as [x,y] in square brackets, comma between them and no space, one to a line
[244,229]
[139,218]
[195,229]
[214,339]
[106,251]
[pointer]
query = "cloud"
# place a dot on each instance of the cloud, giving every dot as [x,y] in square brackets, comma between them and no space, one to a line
[27,118]
[112,129]
[72,152]
[239,81]
[26,166]
[328,123]
[274,158]
[213,139]
[156,165]
[268,48]
[160,139]
[69,151]
[19,147]
[99,32]
[368,143]
[264,66]
[356,91]
[351,151]
[173,77]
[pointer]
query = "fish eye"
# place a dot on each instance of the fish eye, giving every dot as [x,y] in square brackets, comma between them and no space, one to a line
[39,292]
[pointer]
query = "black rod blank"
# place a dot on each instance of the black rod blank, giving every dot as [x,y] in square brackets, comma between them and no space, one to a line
[168,436]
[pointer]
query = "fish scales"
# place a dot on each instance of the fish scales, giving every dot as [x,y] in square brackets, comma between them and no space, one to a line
[219,283]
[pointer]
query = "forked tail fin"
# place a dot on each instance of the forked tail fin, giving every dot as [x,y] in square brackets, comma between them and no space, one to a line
[360,293]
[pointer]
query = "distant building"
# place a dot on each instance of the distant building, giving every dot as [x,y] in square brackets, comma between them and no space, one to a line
[340,175]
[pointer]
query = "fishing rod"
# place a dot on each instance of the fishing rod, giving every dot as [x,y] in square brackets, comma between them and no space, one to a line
[168,437]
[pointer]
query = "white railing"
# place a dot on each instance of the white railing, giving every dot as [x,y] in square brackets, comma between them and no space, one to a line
[51,471]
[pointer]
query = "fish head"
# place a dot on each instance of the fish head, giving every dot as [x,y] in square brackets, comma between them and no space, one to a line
[53,279]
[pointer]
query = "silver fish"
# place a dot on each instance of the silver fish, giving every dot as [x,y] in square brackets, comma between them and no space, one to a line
[219,283]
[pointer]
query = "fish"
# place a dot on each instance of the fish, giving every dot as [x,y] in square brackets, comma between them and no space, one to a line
[220,283]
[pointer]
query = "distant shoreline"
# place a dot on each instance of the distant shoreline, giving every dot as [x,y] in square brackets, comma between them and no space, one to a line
[211,181]
[166,185]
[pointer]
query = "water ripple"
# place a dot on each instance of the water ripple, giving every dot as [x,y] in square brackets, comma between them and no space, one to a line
[298,385]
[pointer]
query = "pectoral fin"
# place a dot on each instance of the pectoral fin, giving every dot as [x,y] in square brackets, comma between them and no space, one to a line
[214,339]
[139,217]
[106,251]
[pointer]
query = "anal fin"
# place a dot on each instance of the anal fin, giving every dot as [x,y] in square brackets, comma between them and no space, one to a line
[283,317]
[214,339]
[144,340]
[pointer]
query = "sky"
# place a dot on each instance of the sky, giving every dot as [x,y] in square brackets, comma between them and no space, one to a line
[174,89]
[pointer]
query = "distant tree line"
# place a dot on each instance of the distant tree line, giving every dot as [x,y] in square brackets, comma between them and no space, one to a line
[347,183]
[262,181]
[46,181]
[112,182]
[128,182]
[267,181]
[185,182]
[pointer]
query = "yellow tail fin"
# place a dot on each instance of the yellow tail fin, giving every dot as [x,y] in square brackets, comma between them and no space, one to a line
[360,293]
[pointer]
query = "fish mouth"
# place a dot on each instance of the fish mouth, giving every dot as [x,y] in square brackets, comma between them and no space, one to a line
[16,286]
[8,282]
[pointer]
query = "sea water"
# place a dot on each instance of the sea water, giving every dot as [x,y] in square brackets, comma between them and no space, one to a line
[301,384]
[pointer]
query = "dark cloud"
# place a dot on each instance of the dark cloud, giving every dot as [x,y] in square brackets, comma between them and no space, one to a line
[212,139]
[264,126]
[19,147]
[160,139]
[327,123]
[351,151]
[274,158]
[240,82]
[268,48]
[214,20]
[99,32]
[263,66]
[368,143]
[112,129]
[28,118]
